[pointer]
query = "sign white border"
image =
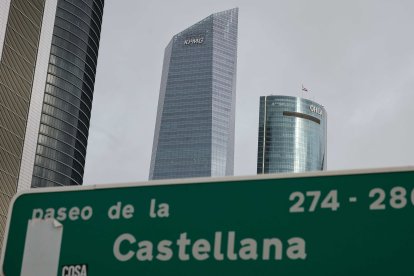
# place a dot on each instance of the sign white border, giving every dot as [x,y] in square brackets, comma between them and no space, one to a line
[194,181]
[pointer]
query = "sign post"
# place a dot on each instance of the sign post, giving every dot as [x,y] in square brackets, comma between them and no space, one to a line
[331,223]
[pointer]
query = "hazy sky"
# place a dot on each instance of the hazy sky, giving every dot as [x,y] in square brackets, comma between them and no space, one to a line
[355,57]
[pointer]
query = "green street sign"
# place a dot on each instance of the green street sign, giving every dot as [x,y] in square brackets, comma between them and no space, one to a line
[331,223]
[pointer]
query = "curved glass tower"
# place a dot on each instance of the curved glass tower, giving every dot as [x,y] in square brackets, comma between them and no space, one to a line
[48,54]
[194,132]
[64,122]
[292,135]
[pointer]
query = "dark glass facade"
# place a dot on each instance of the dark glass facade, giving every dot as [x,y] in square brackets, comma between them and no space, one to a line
[64,124]
[194,132]
[292,135]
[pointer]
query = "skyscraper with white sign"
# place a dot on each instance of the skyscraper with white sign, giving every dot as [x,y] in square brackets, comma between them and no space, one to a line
[194,132]
[48,57]
[292,135]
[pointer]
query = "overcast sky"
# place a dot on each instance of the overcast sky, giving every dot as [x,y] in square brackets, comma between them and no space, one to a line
[355,57]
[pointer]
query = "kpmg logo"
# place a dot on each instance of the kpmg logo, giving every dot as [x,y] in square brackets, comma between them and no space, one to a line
[194,40]
[316,109]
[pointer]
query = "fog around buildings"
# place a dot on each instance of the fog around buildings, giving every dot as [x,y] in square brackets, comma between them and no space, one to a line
[355,57]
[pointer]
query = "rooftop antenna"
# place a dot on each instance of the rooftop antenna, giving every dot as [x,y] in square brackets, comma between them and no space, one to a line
[304,89]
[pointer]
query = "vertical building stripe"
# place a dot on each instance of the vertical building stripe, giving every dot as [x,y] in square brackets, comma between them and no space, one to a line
[264,133]
[4,12]
[37,95]
[20,34]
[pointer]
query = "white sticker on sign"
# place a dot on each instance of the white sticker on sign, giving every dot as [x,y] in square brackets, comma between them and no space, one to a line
[42,247]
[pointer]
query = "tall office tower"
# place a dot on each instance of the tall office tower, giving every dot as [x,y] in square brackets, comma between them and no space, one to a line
[48,51]
[194,131]
[292,135]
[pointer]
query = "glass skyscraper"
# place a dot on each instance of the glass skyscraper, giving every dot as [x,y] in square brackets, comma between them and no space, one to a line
[194,132]
[292,135]
[48,51]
